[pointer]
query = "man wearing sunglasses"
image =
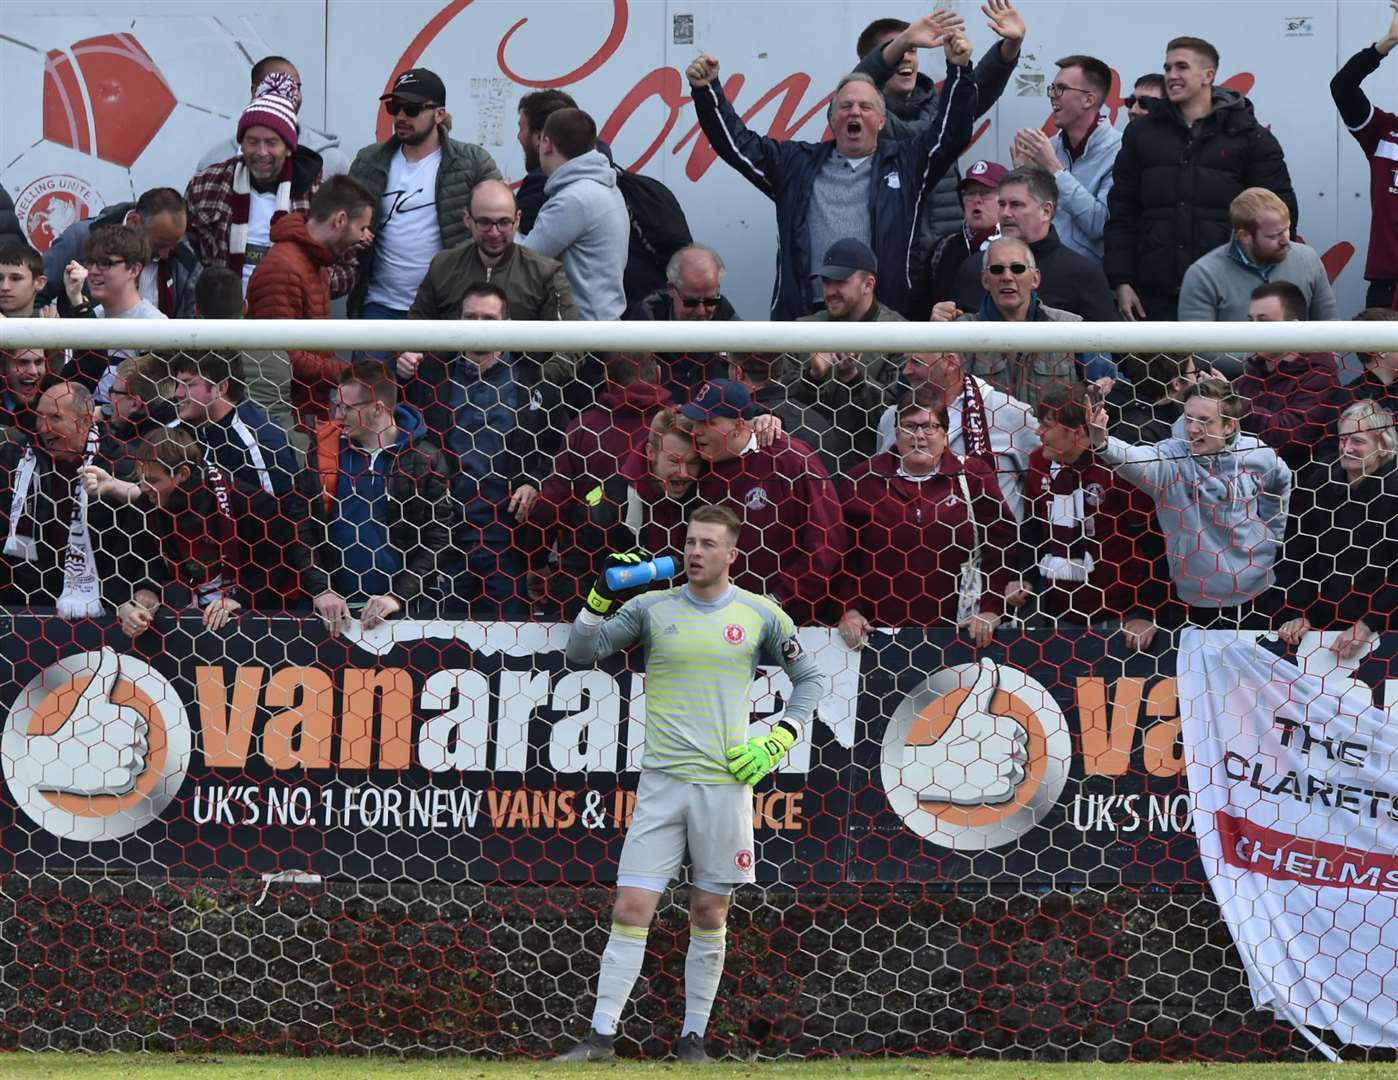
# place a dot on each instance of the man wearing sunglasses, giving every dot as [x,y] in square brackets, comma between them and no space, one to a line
[421,181]
[1073,282]
[1011,282]
[693,293]
[1148,88]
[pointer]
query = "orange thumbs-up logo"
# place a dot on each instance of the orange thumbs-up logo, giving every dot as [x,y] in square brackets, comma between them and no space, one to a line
[96,746]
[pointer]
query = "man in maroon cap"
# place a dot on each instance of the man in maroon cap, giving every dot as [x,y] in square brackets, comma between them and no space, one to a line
[793,534]
[981,211]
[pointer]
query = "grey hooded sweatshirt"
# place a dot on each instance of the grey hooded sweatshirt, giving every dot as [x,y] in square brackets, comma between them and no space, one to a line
[1223,515]
[585,225]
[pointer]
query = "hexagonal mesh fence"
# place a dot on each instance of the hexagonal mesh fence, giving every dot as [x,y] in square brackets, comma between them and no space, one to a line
[294,758]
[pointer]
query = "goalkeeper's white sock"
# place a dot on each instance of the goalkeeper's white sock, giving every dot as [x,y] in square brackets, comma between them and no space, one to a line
[621,966]
[703,968]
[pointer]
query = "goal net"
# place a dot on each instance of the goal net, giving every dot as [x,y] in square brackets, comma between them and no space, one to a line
[293,762]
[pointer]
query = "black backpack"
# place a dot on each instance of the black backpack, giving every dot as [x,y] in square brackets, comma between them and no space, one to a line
[658,230]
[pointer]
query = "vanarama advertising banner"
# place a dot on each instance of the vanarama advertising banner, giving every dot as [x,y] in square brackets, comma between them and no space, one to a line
[471,751]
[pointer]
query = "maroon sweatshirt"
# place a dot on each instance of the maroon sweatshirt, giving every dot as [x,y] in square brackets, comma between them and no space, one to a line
[1294,408]
[601,438]
[910,538]
[1117,530]
[793,537]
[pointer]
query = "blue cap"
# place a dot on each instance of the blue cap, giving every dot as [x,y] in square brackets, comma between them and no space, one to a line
[718,399]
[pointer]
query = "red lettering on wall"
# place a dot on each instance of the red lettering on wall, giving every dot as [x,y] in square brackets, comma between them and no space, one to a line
[588,66]
[665,83]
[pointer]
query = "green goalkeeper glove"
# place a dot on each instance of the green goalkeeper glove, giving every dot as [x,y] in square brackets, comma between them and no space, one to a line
[602,598]
[755,758]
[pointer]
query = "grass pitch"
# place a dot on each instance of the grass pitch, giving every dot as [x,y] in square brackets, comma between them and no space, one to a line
[21,1066]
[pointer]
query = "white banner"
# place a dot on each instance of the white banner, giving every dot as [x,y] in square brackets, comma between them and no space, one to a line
[1296,810]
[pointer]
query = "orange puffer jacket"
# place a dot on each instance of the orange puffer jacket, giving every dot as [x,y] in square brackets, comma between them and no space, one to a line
[293,282]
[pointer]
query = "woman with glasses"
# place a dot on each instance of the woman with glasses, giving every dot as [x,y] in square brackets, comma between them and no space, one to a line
[932,541]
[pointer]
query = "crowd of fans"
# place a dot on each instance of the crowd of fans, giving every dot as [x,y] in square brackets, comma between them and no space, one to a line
[875,489]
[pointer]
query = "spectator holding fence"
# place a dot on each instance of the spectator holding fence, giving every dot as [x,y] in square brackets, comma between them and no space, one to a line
[1221,500]
[379,519]
[220,548]
[1096,554]
[1337,573]
[931,540]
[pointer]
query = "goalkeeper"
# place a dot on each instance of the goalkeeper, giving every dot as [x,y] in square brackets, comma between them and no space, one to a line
[703,642]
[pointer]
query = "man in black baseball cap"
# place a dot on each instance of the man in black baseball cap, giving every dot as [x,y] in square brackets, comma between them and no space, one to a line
[418,86]
[406,173]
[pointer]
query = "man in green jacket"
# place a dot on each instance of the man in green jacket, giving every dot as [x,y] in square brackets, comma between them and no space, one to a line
[421,181]
[536,286]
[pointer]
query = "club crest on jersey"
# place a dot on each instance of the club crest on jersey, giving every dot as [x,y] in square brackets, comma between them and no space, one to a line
[743,860]
[756,499]
[734,634]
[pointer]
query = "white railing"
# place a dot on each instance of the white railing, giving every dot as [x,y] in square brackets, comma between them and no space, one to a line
[344,335]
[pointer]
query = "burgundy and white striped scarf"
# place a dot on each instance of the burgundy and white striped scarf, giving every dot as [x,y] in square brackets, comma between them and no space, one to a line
[240,207]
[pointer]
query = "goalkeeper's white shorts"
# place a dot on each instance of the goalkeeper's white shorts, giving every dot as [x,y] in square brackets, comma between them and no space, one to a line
[714,821]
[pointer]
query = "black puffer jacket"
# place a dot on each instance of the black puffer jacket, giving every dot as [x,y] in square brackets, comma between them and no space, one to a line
[1172,186]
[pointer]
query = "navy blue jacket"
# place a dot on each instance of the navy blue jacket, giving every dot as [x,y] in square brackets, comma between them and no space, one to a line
[904,173]
[497,431]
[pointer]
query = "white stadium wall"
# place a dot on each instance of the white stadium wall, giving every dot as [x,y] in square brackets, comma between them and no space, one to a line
[148,105]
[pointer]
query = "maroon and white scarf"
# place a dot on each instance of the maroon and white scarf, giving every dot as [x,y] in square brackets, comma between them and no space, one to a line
[975,430]
[240,207]
[1069,510]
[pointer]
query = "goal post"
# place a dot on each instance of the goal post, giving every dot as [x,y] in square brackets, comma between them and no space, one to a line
[1022,829]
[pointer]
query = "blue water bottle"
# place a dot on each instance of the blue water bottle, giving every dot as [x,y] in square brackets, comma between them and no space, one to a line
[643,573]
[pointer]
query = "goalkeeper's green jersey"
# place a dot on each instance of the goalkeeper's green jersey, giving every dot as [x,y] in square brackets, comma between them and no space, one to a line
[701,657]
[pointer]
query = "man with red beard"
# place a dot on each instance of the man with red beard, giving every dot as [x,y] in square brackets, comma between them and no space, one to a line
[793,534]
[643,504]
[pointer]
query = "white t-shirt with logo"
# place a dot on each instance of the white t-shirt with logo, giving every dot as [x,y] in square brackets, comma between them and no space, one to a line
[261,206]
[408,235]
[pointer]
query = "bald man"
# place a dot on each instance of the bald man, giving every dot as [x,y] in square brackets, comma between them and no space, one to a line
[537,286]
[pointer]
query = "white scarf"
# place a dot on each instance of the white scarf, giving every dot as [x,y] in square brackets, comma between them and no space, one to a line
[242,198]
[1067,513]
[82,590]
